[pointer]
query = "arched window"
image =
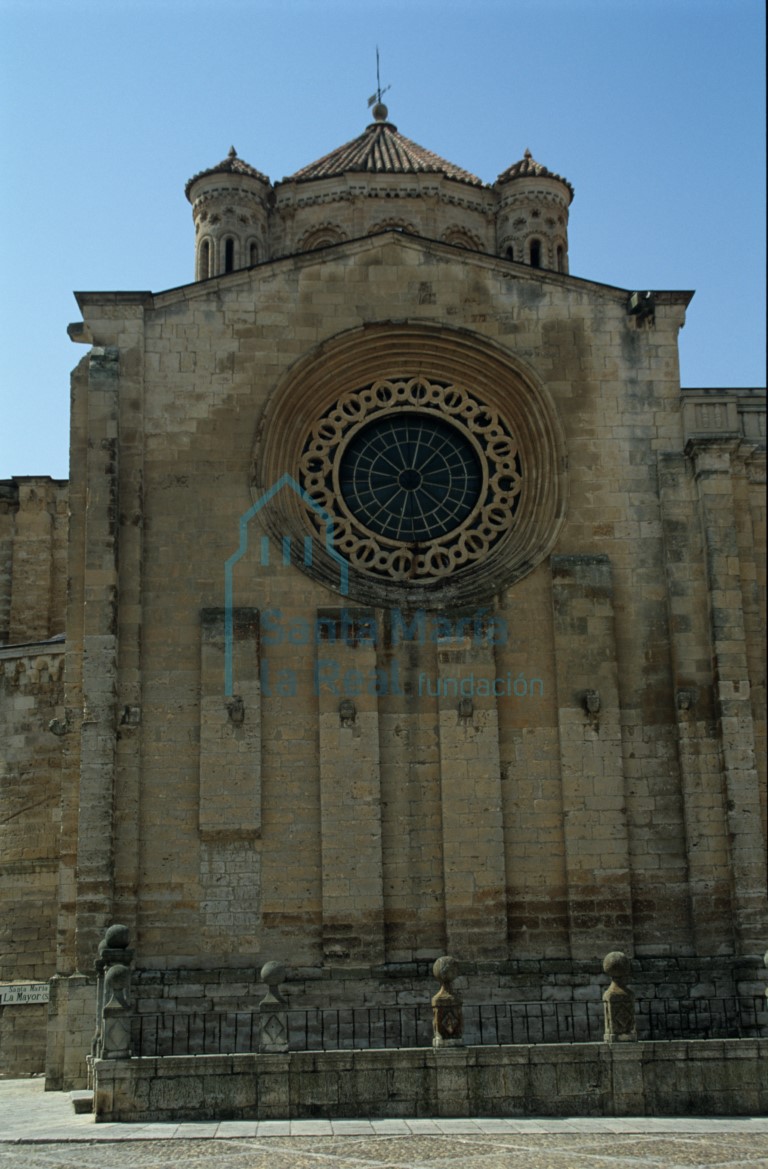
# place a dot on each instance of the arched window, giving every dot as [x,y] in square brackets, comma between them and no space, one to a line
[320,237]
[392,224]
[560,258]
[229,255]
[204,260]
[462,239]
[253,254]
[510,252]
[535,253]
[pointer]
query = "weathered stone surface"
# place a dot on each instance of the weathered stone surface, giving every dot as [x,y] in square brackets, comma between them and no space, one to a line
[718,1078]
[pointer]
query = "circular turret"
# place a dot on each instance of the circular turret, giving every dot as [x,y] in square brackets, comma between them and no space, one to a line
[532,216]
[230,204]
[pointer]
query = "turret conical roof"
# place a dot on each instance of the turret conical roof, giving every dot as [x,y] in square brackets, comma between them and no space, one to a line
[529,168]
[231,165]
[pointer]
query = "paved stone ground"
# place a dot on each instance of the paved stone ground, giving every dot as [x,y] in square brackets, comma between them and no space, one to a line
[40,1130]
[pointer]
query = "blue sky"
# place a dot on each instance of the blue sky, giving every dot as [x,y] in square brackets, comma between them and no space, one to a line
[653,109]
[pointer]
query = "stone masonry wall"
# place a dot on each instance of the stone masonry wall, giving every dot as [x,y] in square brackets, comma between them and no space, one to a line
[31,695]
[719,1078]
[33,557]
[598,794]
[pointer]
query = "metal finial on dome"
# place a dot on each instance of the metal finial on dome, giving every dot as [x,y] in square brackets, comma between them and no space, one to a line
[232,152]
[527,153]
[380,111]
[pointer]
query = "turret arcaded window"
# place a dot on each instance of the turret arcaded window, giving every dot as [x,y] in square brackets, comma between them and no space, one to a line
[560,258]
[535,253]
[229,255]
[510,253]
[204,260]
[253,254]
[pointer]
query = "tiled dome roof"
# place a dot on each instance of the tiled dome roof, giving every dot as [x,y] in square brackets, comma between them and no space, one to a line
[380,149]
[528,167]
[231,165]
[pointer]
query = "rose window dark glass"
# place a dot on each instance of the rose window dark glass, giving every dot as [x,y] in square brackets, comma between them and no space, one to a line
[410,477]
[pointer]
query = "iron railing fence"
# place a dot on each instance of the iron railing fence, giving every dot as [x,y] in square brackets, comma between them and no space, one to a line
[485,1024]
[721,1018]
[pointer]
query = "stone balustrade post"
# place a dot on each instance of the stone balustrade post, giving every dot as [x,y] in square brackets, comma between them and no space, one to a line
[112,1039]
[273,1017]
[116,1014]
[618,1000]
[447,1013]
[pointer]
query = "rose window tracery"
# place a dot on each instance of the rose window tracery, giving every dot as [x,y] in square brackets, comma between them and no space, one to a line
[418,477]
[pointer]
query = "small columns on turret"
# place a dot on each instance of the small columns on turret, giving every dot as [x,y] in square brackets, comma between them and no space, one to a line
[230,204]
[532,215]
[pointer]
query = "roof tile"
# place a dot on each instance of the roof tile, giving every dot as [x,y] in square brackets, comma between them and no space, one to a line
[527,168]
[231,165]
[380,149]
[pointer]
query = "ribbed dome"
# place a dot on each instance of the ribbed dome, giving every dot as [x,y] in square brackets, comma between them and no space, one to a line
[529,168]
[231,165]
[380,149]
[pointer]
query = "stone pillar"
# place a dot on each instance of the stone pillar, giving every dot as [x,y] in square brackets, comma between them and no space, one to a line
[350,793]
[698,747]
[89,811]
[592,769]
[273,1019]
[131,746]
[529,751]
[98,728]
[733,707]
[447,1013]
[474,860]
[412,835]
[230,727]
[70,1022]
[627,1085]
[618,1000]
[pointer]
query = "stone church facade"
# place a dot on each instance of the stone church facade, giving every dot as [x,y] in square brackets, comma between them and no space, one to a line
[410,605]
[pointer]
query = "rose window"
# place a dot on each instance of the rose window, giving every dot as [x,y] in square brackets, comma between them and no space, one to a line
[418,478]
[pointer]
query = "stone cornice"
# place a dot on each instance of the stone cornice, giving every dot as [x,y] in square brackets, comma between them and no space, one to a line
[193,290]
[444,190]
